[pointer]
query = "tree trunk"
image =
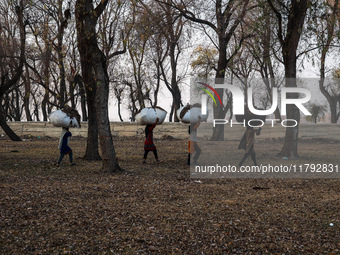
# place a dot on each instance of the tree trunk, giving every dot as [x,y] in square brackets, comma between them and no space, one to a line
[119,108]
[290,147]
[71,91]
[46,66]
[79,82]
[36,110]
[83,19]
[268,72]
[61,55]
[289,43]
[13,136]
[92,146]
[332,99]
[176,93]
[94,63]
[171,111]
[102,99]
[218,130]
[44,105]
[27,95]
[62,86]
[334,113]
[7,83]
[16,105]
[155,101]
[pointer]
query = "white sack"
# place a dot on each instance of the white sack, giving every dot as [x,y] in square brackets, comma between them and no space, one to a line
[178,112]
[60,119]
[148,116]
[192,115]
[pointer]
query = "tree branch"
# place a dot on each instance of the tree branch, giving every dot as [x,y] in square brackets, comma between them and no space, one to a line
[279,19]
[188,14]
[119,52]
[100,7]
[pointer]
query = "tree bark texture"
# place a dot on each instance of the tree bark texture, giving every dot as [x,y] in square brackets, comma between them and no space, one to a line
[94,65]
[289,43]
[7,83]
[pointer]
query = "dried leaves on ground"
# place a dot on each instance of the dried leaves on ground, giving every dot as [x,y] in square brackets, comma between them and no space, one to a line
[156,208]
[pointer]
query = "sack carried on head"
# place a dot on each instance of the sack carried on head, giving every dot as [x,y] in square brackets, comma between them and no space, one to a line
[67,117]
[149,115]
[190,113]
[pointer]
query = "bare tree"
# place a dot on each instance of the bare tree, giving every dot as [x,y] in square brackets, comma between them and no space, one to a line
[224,22]
[167,24]
[10,75]
[264,48]
[53,61]
[290,20]
[317,111]
[141,74]
[94,63]
[326,29]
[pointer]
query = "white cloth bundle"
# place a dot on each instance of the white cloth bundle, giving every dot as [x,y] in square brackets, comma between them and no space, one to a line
[149,115]
[61,119]
[191,114]
[178,112]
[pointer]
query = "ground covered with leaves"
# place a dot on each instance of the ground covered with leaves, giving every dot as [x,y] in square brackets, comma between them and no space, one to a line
[157,208]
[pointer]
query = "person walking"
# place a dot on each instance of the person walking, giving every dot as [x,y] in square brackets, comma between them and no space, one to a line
[148,143]
[247,143]
[193,145]
[63,146]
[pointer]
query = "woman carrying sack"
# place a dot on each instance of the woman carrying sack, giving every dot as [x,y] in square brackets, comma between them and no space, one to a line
[148,143]
[63,146]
